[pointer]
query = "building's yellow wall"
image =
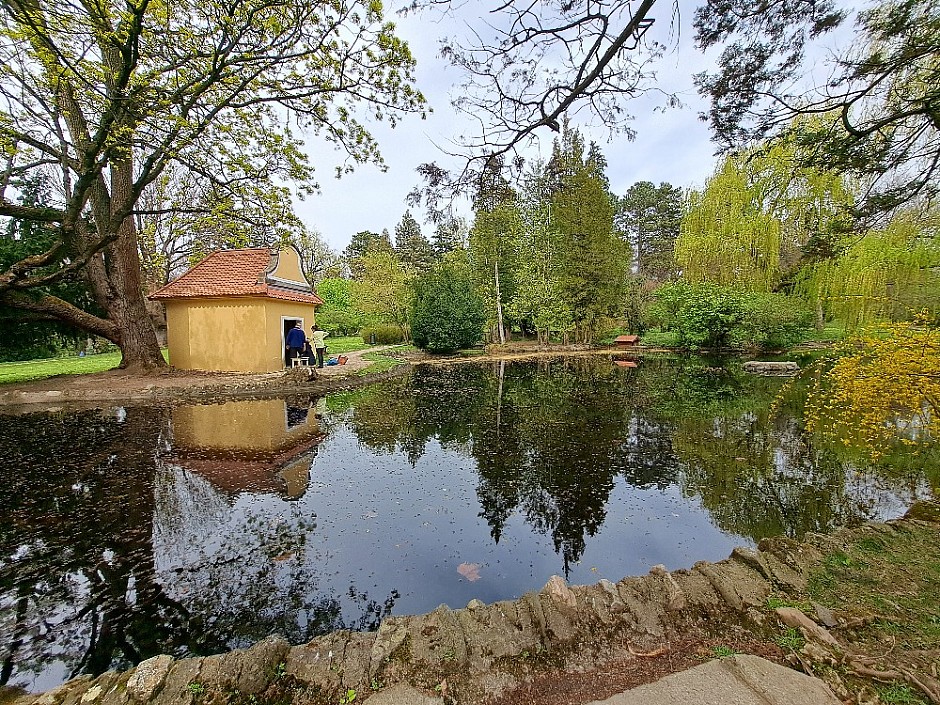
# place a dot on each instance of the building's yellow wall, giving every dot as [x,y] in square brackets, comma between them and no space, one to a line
[177,334]
[253,427]
[231,335]
[216,334]
[288,266]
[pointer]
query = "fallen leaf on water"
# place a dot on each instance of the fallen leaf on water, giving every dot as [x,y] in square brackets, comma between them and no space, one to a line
[471,571]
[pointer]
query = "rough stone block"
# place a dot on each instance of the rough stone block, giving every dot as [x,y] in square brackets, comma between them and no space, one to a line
[402,694]
[559,627]
[698,590]
[176,689]
[259,664]
[646,609]
[675,598]
[356,660]
[392,633]
[319,661]
[148,677]
[438,636]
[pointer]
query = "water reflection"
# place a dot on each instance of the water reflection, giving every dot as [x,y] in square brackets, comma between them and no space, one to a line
[550,441]
[248,446]
[200,528]
[133,532]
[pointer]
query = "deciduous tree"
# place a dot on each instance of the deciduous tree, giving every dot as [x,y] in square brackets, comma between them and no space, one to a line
[383,289]
[109,94]
[887,380]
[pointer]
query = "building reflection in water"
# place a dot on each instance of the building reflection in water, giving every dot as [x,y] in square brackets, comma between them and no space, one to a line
[231,525]
[258,446]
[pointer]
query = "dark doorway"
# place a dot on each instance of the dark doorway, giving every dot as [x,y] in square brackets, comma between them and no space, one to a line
[286,325]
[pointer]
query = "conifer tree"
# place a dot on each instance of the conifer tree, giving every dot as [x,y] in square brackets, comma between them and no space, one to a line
[411,245]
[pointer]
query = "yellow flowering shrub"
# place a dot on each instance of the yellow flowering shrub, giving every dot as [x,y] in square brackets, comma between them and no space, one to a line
[882,388]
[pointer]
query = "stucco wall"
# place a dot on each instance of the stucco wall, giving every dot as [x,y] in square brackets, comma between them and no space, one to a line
[230,335]
[275,311]
[288,266]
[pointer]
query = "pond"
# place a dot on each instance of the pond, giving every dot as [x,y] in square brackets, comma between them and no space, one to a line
[128,532]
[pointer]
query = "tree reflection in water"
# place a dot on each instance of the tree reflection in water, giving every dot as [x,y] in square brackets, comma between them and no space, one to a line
[549,441]
[94,569]
[197,529]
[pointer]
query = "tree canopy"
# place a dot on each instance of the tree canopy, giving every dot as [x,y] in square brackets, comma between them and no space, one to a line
[649,217]
[877,114]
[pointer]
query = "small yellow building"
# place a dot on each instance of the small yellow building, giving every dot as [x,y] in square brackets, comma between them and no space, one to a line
[232,311]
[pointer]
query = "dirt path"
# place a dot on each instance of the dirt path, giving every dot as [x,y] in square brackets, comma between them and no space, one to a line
[356,361]
[117,386]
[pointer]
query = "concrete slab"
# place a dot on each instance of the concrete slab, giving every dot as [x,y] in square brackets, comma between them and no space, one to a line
[401,694]
[738,680]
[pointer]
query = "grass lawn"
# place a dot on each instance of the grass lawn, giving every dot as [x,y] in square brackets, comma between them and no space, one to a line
[41,369]
[340,345]
[381,362]
[12,372]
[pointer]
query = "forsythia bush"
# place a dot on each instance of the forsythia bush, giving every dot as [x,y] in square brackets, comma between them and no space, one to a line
[883,387]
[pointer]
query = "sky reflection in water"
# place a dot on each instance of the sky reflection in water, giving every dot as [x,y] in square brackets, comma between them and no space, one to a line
[201,528]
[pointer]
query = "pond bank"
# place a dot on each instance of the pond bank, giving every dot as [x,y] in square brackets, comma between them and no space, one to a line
[858,608]
[116,386]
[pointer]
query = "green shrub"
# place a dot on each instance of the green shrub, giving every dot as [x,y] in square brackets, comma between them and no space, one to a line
[772,321]
[383,334]
[447,315]
[711,316]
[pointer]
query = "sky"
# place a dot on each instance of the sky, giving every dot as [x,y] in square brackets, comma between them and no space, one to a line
[672,145]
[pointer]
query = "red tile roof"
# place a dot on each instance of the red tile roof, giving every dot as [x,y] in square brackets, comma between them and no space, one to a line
[626,338]
[234,273]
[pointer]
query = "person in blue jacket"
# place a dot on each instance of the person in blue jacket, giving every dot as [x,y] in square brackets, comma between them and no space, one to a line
[295,341]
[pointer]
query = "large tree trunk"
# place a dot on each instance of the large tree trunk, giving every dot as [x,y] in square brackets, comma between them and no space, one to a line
[115,278]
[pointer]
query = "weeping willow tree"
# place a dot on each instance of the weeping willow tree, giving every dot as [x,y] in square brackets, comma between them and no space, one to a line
[813,206]
[886,275]
[727,236]
[759,217]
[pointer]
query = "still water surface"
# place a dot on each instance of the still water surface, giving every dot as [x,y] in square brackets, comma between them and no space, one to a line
[196,529]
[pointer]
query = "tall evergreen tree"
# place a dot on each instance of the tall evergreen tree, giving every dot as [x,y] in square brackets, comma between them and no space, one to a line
[649,217]
[362,243]
[449,235]
[412,247]
[595,262]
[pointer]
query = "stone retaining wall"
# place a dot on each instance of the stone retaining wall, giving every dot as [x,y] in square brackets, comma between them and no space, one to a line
[482,649]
